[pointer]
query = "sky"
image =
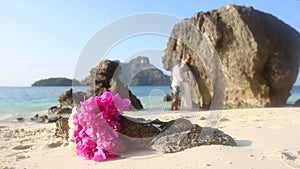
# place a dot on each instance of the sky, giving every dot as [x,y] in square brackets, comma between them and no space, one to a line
[47,38]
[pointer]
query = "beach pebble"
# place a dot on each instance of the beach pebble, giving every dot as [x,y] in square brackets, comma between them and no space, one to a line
[202,118]
[65,145]
[20,157]
[207,165]
[230,162]
[263,157]
[20,119]
[224,119]
[8,167]
[55,144]
[21,147]
[288,156]
[7,134]
[6,139]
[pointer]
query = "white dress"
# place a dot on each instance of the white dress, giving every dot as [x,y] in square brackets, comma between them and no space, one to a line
[186,98]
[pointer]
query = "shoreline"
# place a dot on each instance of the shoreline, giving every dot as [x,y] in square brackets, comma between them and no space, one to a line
[266,138]
[148,114]
[21,119]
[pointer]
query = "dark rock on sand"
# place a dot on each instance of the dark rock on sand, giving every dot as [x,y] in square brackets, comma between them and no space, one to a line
[165,137]
[62,128]
[183,135]
[240,57]
[21,119]
[52,109]
[170,137]
[64,110]
[45,119]
[138,133]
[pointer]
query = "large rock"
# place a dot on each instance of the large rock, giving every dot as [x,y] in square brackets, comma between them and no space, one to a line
[165,137]
[67,100]
[106,78]
[62,128]
[171,136]
[182,135]
[70,98]
[241,57]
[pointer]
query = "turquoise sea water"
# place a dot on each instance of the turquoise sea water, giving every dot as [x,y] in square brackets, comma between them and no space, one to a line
[28,101]
[20,101]
[295,95]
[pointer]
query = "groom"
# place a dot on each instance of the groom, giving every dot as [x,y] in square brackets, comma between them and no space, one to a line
[177,80]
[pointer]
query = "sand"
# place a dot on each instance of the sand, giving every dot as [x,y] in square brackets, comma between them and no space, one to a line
[266,138]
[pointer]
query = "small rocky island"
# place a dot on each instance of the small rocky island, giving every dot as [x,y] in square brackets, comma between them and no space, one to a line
[60,81]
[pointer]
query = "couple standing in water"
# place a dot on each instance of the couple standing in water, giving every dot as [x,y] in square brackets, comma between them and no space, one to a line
[181,77]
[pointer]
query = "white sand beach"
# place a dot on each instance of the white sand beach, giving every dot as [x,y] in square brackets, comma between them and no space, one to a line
[265,137]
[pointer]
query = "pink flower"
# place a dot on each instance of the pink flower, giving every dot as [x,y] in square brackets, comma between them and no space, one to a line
[99,155]
[97,123]
[121,104]
[86,148]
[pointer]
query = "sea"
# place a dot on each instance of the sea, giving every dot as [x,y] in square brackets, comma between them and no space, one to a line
[28,101]
[25,102]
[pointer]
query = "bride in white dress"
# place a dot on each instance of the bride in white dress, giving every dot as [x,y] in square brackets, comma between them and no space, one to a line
[186,98]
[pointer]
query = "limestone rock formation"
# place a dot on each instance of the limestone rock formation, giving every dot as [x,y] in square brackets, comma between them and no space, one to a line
[150,77]
[137,72]
[140,72]
[62,128]
[67,101]
[241,57]
[106,78]
[70,98]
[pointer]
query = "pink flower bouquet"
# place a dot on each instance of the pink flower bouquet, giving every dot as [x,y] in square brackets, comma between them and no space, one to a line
[95,126]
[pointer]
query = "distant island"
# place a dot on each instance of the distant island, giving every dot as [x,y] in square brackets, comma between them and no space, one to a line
[138,72]
[60,81]
[150,77]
